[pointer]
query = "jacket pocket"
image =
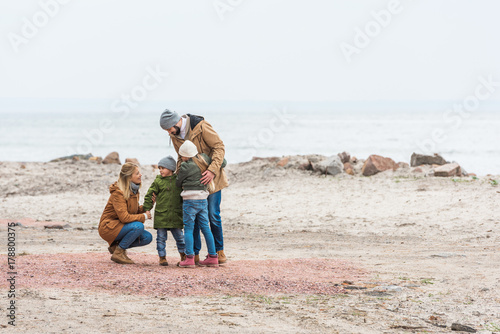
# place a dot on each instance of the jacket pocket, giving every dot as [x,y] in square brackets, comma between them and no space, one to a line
[111,225]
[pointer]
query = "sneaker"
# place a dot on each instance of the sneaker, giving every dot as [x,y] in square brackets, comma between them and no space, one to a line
[188,262]
[210,261]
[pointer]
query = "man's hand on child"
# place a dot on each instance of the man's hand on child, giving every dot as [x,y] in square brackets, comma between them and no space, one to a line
[208,176]
[149,214]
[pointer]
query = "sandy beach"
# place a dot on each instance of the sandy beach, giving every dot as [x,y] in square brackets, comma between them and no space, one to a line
[307,253]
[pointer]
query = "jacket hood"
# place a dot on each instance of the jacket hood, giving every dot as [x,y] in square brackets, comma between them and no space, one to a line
[114,187]
[194,120]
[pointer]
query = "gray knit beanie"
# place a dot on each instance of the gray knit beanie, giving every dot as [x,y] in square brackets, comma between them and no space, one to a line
[168,119]
[168,163]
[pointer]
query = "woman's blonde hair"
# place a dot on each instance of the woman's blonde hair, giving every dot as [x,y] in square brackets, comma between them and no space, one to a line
[126,173]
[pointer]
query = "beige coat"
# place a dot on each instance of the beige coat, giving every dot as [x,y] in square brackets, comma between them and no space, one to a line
[207,141]
[119,212]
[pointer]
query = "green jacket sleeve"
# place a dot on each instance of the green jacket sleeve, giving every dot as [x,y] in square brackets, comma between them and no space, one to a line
[209,160]
[148,199]
[181,175]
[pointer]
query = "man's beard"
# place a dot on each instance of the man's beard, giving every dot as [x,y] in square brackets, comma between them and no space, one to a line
[177,130]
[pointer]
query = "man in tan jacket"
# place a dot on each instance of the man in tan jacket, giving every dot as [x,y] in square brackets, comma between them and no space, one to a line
[201,133]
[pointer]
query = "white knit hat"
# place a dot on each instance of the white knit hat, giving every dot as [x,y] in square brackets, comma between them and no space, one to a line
[188,149]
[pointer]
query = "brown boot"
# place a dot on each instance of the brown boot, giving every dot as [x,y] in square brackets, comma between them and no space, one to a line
[126,255]
[197,259]
[163,261]
[222,257]
[183,258]
[120,256]
[111,249]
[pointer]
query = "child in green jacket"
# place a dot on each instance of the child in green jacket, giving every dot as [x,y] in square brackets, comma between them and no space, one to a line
[168,211]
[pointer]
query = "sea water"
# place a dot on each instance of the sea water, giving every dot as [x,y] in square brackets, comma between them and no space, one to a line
[473,142]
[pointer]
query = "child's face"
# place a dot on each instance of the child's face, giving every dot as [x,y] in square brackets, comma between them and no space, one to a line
[185,158]
[165,171]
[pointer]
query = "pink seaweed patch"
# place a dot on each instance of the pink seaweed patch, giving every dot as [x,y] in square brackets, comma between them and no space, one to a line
[95,271]
[29,222]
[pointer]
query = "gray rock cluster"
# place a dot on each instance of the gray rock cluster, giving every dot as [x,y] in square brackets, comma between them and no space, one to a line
[343,163]
[337,164]
[437,165]
[328,165]
[111,158]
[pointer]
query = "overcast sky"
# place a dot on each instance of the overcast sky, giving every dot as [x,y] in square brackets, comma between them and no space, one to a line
[253,50]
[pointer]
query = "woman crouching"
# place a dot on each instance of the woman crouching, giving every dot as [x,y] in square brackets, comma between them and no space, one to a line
[122,222]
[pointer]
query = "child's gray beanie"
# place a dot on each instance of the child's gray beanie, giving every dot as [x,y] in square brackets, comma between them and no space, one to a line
[168,163]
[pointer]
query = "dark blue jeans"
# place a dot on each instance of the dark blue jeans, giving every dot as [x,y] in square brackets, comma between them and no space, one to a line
[133,235]
[162,236]
[214,201]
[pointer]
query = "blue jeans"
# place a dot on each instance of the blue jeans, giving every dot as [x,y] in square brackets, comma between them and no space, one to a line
[162,236]
[214,201]
[133,235]
[197,211]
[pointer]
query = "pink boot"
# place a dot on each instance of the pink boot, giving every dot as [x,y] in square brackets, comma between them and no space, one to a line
[210,261]
[188,262]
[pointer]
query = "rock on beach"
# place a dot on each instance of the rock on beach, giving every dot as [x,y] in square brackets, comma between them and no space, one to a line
[345,157]
[112,158]
[421,159]
[133,160]
[74,157]
[376,164]
[332,165]
[452,169]
[348,168]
